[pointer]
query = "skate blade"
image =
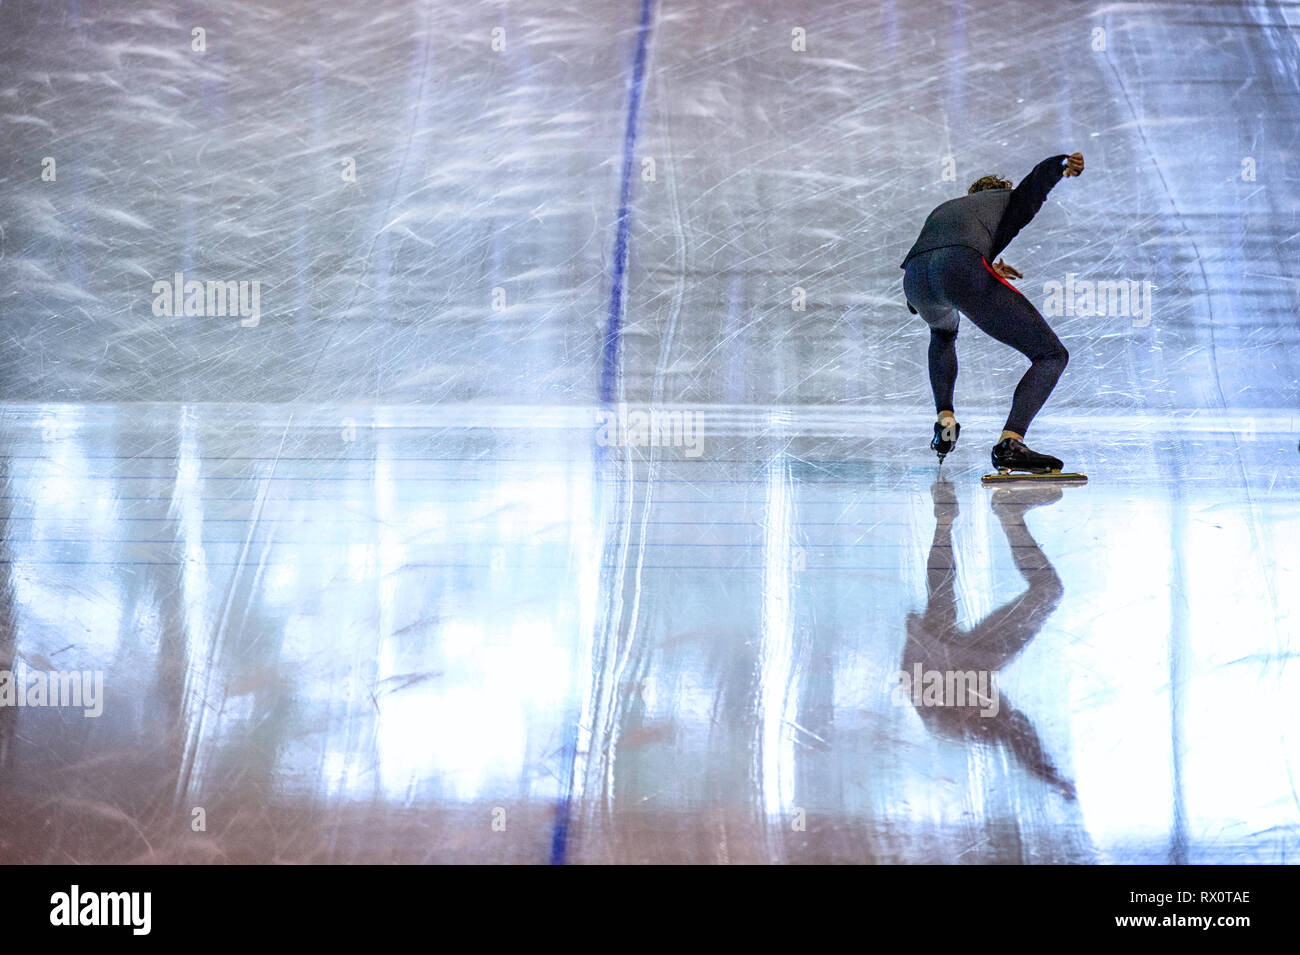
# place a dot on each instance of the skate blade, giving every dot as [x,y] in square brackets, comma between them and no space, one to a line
[1030,477]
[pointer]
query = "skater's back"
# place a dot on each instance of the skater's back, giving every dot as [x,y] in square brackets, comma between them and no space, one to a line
[989,217]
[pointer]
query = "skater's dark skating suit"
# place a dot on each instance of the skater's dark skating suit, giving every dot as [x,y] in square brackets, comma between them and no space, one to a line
[936,642]
[948,271]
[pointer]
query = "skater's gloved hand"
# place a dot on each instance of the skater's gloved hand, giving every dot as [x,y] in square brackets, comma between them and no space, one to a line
[1006,271]
[1073,165]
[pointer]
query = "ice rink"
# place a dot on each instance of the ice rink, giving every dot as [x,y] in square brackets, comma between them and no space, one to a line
[379,567]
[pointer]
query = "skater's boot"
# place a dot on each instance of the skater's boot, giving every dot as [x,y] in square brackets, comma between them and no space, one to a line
[945,439]
[1010,454]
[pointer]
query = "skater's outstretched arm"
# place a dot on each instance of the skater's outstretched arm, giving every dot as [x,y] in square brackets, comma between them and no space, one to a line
[1028,197]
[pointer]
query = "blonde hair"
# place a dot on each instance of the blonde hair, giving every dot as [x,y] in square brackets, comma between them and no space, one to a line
[988,182]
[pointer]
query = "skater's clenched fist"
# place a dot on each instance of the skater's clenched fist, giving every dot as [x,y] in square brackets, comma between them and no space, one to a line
[1006,271]
[1073,165]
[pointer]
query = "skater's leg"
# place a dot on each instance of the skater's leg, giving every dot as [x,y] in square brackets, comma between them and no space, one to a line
[919,286]
[1012,320]
[1048,359]
[1004,314]
[943,369]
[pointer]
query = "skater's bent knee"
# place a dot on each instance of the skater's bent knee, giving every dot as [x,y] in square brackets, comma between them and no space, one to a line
[1055,355]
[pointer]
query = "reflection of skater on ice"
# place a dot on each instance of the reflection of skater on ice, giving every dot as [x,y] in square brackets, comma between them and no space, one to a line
[935,644]
[948,271]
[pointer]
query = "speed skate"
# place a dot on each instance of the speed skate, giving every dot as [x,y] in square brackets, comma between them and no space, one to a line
[1006,476]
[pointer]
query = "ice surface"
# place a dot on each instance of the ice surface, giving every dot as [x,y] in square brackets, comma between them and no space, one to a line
[366,582]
